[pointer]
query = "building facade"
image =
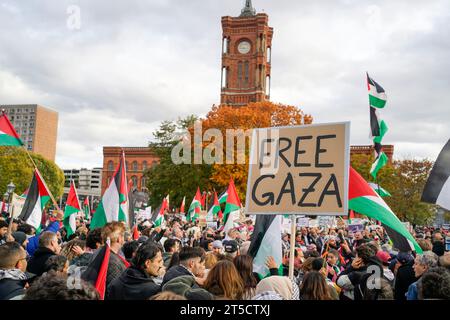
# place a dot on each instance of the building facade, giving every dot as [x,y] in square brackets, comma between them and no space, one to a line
[37,126]
[369,150]
[137,161]
[246,55]
[88,183]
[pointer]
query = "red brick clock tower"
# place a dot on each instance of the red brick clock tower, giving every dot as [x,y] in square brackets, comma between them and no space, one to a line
[246,55]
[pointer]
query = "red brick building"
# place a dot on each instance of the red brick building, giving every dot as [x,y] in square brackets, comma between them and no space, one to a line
[138,159]
[246,54]
[369,150]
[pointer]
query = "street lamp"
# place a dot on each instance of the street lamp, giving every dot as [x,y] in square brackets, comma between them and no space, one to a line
[10,188]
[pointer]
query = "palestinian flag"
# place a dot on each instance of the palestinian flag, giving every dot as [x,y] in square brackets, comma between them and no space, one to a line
[8,135]
[97,270]
[214,207]
[363,199]
[379,163]
[71,210]
[114,203]
[37,197]
[265,242]
[232,205]
[162,210]
[378,189]
[437,188]
[183,204]
[135,232]
[204,200]
[377,96]
[223,197]
[195,207]
[86,208]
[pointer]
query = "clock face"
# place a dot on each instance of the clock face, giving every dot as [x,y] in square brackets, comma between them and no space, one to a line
[244,47]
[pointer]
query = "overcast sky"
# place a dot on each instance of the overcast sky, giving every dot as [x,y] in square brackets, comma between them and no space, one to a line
[134,63]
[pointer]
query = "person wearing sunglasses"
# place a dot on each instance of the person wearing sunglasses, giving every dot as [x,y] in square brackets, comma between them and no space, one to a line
[13,263]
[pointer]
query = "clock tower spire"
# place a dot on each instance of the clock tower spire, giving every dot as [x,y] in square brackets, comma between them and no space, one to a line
[246,57]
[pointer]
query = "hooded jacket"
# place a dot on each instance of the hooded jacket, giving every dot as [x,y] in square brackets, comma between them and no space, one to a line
[12,283]
[37,262]
[174,272]
[133,284]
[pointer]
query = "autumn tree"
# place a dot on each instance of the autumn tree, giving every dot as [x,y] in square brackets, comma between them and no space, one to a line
[177,180]
[15,166]
[405,180]
[254,115]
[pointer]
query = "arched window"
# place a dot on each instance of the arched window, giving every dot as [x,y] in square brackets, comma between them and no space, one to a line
[110,165]
[143,182]
[224,79]
[109,180]
[246,73]
[134,166]
[239,74]
[144,165]
[135,181]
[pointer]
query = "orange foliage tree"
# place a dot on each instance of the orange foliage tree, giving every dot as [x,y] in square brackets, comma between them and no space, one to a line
[254,115]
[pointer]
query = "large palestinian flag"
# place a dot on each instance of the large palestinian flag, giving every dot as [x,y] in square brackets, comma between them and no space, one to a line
[195,207]
[8,135]
[37,197]
[223,197]
[97,270]
[114,203]
[232,205]
[71,210]
[437,188]
[86,208]
[377,95]
[265,242]
[363,199]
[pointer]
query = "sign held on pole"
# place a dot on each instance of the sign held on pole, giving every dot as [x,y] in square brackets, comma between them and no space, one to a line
[299,170]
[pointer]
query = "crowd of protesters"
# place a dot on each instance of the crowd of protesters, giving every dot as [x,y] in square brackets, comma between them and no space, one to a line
[182,261]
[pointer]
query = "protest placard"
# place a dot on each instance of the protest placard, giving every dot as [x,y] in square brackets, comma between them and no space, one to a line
[299,170]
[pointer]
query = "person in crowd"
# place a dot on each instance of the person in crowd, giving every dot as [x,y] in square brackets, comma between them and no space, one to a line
[136,282]
[3,232]
[276,286]
[94,241]
[48,246]
[231,249]
[385,259]
[53,286]
[13,264]
[435,284]
[422,264]
[192,262]
[358,239]
[438,244]
[333,265]
[314,287]
[21,238]
[286,243]
[298,260]
[224,281]
[210,261]
[57,263]
[170,246]
[244,266]
[187,287]
[353,280]
[129,249]
[34,241]
[115,233]
[404,274]
[73,249]
[424,244]
[444,261]
[217,247]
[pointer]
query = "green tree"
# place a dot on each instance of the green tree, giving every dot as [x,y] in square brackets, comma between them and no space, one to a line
[169,178]
[15,166]
[405,180]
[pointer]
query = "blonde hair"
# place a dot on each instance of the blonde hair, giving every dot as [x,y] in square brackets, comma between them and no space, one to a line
[167,295]
[113,230]
[210,260]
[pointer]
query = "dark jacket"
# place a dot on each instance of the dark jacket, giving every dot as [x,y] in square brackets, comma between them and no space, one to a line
[12,283]
[175,271]
[133,284]
[404,278]
[36,265]
[33,242]
[167,256]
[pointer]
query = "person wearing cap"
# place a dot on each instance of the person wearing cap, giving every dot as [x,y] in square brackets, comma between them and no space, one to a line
[231,248]
[404,274]
[385,259]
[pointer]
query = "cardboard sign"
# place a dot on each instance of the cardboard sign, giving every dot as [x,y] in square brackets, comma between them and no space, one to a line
[313,223]
[303,222]
[299,170]
[355,227]
[325,221]
[212,225]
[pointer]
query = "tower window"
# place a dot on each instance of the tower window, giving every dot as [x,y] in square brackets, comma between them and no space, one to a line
[224,77]
[240,74]
[246,71]
[269,54]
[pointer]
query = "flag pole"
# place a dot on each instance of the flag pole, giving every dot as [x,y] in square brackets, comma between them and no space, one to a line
[43,181]
[292,249]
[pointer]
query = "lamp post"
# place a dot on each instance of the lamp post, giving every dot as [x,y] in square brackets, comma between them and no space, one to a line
[10,191]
